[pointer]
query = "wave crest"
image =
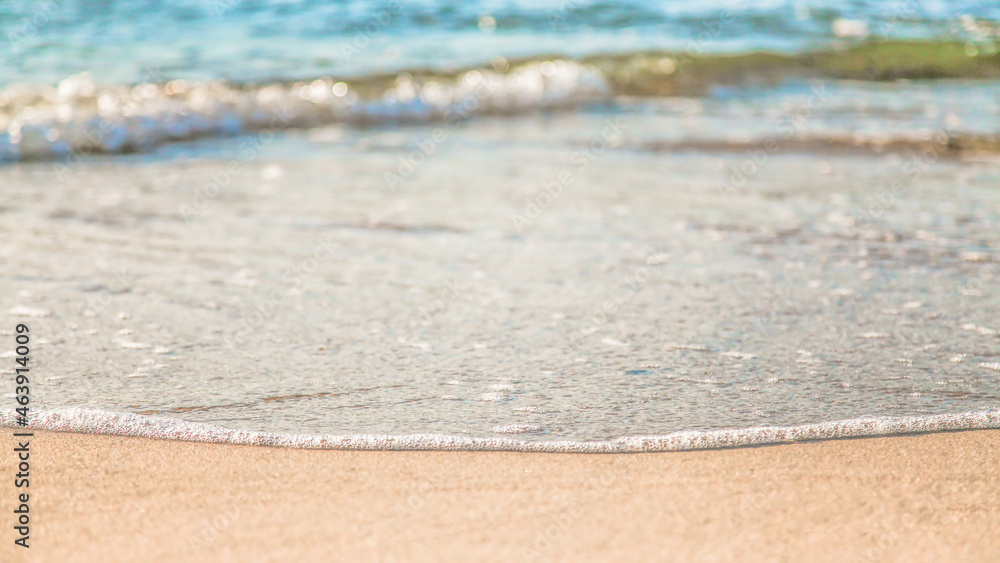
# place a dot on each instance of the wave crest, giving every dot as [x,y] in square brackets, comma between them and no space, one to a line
[81,117]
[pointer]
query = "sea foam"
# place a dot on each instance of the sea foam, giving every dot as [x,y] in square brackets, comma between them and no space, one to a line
[95,421]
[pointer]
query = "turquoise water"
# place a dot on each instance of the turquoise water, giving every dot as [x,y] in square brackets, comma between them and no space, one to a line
[129,42]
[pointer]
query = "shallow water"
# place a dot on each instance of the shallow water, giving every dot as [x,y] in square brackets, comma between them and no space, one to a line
[310,296]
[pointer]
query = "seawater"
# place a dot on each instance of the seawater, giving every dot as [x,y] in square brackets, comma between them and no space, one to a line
[125,42]
[529,228]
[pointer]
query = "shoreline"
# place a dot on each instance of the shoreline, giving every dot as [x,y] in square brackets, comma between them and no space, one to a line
[94,421]
[112,498]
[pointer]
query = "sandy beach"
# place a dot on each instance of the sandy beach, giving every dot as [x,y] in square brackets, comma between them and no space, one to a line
[500,281]
[930,497]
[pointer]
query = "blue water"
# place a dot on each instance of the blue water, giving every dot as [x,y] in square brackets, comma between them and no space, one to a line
[143,41]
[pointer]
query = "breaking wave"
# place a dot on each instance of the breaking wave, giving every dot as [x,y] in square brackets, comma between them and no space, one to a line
[80,116]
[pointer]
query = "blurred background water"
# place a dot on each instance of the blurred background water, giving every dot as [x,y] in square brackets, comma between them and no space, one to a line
[265,40]
[115,77]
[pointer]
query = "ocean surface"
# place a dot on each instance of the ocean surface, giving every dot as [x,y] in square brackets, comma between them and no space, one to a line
[544,226]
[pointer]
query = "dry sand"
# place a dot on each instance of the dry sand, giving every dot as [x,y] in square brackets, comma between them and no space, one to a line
[930,497]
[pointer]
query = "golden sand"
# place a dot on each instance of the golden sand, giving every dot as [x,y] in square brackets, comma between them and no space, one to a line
[932,497]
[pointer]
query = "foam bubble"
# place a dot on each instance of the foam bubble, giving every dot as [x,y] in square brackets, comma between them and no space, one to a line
[516,428]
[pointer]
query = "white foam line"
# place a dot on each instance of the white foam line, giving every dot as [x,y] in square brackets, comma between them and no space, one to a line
[94,421]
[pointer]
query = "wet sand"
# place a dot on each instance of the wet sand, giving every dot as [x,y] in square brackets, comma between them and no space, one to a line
[106,498]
